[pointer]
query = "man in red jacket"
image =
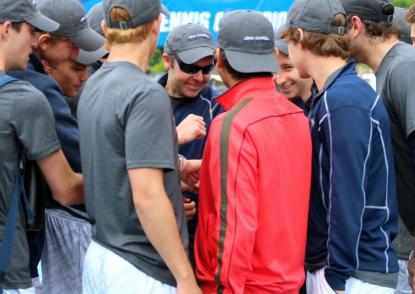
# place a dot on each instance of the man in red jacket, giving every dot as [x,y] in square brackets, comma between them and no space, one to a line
[256,172]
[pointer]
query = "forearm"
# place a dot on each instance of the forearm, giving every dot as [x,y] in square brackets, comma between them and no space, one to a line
[158,221]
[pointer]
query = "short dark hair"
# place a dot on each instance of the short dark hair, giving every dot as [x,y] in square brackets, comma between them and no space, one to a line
[410,15]
[376,30]
[17,26]
[240,76]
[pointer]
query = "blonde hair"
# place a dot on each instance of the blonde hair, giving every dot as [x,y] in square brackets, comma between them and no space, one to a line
[133,35]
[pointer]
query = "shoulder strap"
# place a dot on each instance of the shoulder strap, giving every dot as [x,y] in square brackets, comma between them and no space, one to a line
[10,228]
[11,222]
[5,79]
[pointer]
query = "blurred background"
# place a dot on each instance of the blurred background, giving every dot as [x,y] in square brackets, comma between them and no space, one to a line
[209,12]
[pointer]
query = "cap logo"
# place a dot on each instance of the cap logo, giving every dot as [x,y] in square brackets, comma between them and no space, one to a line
[198,37]
[83,19]
[256,38]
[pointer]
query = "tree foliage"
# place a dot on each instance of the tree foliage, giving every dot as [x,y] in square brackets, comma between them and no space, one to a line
[403,3]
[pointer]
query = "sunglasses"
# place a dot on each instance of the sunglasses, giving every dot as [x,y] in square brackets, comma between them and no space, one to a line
[193,68]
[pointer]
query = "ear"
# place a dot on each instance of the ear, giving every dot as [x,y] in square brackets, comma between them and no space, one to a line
[5,28]
[301,34]
[48,68]
[219,62]
[166,61]
[104,27]
[357,27]
[277,51]
[44,41]
[155,28]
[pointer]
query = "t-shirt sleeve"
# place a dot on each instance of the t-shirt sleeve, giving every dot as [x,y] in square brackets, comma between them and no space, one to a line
[403,95]
[149,130]
[33,122]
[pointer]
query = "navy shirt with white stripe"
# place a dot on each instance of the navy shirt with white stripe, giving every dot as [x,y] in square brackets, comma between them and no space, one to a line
[353,207]
[205,106]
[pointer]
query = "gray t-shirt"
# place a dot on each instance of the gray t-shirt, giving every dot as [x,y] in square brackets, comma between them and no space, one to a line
[26,121]
[125,122]
[396,85]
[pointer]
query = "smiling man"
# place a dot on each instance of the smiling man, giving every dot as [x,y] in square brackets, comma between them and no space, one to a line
[188,57]
[288,80]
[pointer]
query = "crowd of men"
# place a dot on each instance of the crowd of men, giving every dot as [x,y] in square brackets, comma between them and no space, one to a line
[300,178]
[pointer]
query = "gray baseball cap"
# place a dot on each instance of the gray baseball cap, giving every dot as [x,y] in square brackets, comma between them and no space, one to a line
[316,16]
[190,42]
[89,57]
[404,27]
[71,16]
[373,10]
[280,43]
[25,10]
[247,37]
[140,12]
[95,17]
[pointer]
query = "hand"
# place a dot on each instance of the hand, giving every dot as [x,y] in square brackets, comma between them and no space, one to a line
[192,127]
[411,271]
[190,172]
[193,188]
[189,208]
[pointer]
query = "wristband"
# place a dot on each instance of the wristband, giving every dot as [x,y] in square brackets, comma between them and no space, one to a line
[182,160]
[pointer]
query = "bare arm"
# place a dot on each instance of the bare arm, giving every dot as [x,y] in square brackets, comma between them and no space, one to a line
[155,212]
[66,186]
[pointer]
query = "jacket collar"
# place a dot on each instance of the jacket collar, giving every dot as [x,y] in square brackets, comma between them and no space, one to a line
[245,89]
[348,69]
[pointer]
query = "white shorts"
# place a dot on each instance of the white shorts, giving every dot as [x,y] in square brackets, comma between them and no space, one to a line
[403,285]
[317,284]
[107,273]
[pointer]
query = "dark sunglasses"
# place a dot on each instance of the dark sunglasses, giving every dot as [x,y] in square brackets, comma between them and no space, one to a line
[193,68]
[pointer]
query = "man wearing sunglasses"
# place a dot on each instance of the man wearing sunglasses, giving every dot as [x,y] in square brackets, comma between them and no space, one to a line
[188,58]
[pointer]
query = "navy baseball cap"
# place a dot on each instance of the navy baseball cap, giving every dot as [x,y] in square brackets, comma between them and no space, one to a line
[247,38]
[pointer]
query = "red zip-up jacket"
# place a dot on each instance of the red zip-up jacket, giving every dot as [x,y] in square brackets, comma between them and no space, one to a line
[254,194]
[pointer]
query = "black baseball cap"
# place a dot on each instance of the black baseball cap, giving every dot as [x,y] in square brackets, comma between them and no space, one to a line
[373,10]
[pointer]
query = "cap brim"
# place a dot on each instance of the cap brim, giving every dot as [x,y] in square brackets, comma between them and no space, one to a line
[164,10]
[282,46]
[88,40]
[252,63]
[42,23]
[195,54]
[89,57]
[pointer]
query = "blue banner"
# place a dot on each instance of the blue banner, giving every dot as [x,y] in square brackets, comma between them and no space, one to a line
[209,12]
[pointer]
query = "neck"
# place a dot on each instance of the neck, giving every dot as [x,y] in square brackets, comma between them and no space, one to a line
[136,53]
[307,91]
[376,51]
[171,91]
[322,67]
[3,63]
